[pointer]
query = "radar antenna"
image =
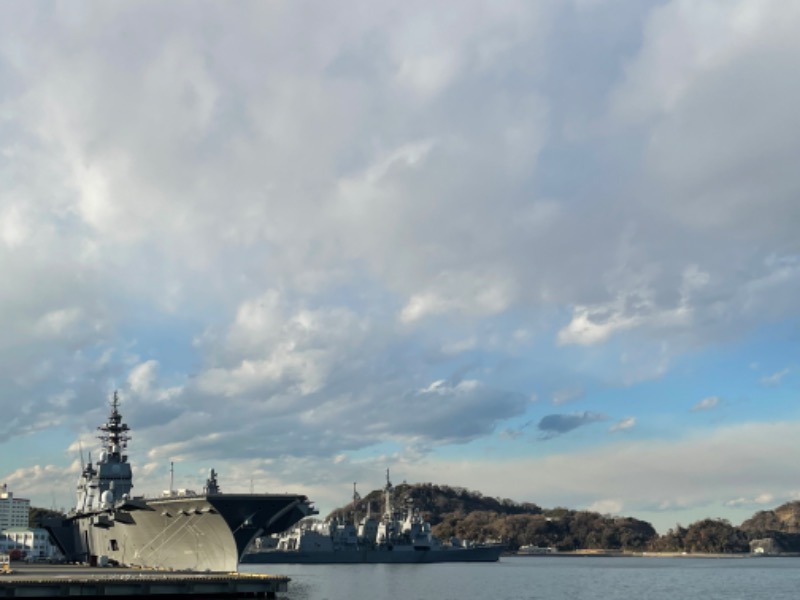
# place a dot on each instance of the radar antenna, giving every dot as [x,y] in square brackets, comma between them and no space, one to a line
[114,436]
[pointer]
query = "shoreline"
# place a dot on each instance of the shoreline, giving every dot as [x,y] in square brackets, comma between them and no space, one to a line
[627,554]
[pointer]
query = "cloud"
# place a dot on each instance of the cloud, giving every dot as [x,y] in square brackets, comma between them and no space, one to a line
[553,425]
[141,378]
[606,507]
[775,378]
[623,425]
[455,412]
[661,480]
[292,247]
[44,482]
[759,501]
[704,170]
[567,395]
[632,308]
[469,293]
[706,404]
[292,372]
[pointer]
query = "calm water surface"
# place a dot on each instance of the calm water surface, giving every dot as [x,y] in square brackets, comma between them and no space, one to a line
[516,578]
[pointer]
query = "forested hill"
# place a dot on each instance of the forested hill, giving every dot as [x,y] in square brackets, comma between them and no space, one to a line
[454,511]
[436,502]
[781,524]
[785,518]
[470,515]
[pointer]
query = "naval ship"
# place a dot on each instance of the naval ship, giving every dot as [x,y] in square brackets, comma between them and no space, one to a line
[182,530]
[397,537]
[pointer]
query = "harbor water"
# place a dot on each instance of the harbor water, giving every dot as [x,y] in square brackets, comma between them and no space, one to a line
[551,578]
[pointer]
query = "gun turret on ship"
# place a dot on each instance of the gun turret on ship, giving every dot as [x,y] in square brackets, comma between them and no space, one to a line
[206,531]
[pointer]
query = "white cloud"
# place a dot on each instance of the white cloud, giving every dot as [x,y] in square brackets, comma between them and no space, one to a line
[623,424]
[775,378]
[43,484]
[14,227]
[268,348]
[57,322]
[606,507]
[408,155]
[473,294]
[582,329]
[706,404]
[141,377]
[757,502]
[635,307]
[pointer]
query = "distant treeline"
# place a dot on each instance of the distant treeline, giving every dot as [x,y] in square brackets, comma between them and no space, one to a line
[469,515]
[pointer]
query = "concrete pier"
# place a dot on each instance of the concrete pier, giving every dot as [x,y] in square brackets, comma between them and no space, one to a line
[65,581]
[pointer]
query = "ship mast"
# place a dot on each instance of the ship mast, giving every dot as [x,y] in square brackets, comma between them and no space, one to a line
[356,498]
[388,510]
[114,436]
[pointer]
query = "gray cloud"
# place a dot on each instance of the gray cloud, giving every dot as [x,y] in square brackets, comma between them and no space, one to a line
[552,425]
[124,145]
[316,382]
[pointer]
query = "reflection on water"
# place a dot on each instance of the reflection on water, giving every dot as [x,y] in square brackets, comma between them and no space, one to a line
[516,578]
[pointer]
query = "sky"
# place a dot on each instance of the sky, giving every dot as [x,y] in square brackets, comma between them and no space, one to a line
[546,250]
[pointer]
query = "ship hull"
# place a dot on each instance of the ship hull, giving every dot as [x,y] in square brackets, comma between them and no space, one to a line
[197,533]
[376,556]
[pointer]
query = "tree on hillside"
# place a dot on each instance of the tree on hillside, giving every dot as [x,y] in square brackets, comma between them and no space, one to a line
[761,522]
[672,541]
[785,518]
[635,534]
[715,536]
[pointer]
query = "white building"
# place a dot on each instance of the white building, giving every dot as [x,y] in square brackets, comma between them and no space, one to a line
[35,543]
[13,511]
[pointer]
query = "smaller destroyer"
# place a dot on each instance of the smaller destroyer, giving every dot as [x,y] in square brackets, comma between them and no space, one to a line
[208,531]
[392,539]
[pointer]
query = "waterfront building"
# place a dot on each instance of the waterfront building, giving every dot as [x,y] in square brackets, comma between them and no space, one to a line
[33,542]
[13,511]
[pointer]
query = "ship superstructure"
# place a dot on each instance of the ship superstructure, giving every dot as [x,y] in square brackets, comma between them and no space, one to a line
[396,537]
[183,530]
[100,485]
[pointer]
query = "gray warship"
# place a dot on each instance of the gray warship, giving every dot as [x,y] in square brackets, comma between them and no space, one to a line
[397,537]
[182,530]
